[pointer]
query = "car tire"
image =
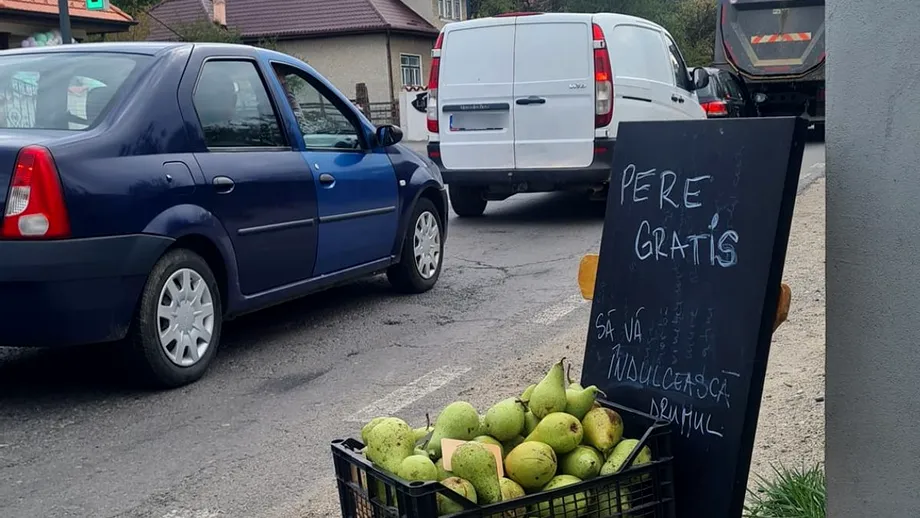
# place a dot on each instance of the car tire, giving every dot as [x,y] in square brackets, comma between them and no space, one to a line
[180,358]
[467,202]
[414,273]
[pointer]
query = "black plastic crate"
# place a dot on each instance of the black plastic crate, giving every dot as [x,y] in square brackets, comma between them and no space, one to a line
[368,492]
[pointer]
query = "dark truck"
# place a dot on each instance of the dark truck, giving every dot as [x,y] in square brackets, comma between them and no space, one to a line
[777,47]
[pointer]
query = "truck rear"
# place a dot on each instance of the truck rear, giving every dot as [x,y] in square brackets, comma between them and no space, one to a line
[777,47]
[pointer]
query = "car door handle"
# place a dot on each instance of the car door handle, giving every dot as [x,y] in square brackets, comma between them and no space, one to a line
[676,98]
[223,184]
[326,179]
[531,100]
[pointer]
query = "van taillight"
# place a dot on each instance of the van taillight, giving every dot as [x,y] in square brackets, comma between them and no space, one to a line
[431,112]
[603,80]
[35,203]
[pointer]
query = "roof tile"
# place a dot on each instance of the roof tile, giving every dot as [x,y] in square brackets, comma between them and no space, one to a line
[279,18]
[77,9]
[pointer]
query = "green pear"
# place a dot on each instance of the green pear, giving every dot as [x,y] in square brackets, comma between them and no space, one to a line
[574,505]
[583,462]
[417,468]
[368,427]
[572,383]
[420,451]
[442,473]
[609,504]
[528,392]
[530,422]
[389,443]
[510,491]
[511,444]
[459,420]
[505,419]
[563,432]
[617,457]
[474,462]
[421,433]
[531,464]
[462,488]
[549,395]
[580,401]
[603,428]
[487,439]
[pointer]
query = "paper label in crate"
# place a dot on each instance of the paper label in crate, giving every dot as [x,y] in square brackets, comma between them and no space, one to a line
[449,446]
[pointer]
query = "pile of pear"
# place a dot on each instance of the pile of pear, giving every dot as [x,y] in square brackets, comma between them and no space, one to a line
[551,436]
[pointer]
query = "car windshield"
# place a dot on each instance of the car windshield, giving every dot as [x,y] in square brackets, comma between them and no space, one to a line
[61,91]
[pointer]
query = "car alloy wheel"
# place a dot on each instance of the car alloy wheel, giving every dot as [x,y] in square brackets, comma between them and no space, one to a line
[185,317]
[427,244]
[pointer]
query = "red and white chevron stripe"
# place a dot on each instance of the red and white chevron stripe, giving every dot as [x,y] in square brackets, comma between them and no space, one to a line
[781,38]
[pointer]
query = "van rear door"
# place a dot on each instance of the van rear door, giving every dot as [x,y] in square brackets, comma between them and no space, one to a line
[553,91]
[475,103]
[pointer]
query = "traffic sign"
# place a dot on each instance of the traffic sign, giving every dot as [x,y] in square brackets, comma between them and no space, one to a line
[97,5]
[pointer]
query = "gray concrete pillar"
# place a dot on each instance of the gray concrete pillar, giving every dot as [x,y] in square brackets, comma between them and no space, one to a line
[873,258]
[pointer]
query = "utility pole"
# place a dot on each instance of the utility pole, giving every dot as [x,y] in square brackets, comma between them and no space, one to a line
[64,12]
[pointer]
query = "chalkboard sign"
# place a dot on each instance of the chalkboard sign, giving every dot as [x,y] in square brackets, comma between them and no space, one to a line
[689,274]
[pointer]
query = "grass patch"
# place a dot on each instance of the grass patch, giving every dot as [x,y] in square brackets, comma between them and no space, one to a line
[791,493]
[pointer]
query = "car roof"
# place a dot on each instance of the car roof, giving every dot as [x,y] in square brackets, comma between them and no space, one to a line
[128,47]
[603,17]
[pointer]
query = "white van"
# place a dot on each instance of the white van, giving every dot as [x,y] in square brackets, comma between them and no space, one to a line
[522,102]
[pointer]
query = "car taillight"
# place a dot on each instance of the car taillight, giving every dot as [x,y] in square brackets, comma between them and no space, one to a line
[715,108]
[431,112]
[603,80]
[35,203]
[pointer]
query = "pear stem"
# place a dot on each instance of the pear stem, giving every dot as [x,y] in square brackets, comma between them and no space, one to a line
[428,420]
[568,373]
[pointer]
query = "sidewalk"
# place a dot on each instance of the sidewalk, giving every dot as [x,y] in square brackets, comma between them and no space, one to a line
[791,426]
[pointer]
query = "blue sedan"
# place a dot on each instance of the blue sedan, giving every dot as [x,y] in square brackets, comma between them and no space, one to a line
[151,191]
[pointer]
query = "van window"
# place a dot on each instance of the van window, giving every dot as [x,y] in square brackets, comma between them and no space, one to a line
[482,55]
[681,76]
[638,52]
[552,52]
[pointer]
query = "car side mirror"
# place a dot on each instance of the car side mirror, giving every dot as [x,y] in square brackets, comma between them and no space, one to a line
[388,134]
[700,78]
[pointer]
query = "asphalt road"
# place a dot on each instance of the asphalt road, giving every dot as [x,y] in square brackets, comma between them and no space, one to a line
[252,438]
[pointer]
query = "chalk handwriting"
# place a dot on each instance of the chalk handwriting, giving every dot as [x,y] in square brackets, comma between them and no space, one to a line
[689,420]
[632,330]
[660,243]
[626,367]
[666,181]
[719,248]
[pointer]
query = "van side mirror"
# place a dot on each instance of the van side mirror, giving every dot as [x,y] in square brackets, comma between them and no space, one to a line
[388,134]
[700,78]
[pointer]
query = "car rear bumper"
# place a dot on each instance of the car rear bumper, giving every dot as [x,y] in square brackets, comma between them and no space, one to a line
[532,180]
[73,291]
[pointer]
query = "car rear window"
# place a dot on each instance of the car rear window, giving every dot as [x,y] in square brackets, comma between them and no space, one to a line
[709,92]
[62,91]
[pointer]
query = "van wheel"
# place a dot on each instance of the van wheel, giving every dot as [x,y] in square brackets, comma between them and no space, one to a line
[423,251]
[176,329]
[467,202]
